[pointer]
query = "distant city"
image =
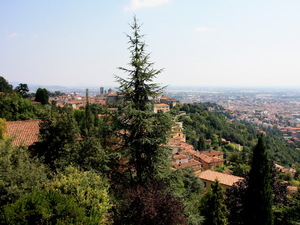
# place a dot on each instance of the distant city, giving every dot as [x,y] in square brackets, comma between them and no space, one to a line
[266,107]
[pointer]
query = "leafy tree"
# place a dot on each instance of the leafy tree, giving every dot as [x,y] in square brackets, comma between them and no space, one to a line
[212,206]
[19,173]
[188,187]
[290,212]
[150,204]
[143,131]
[88,188]
[259,202]
[235,200]
[241,170]
[3,128]
[59,145]
[44,207]
[23,90]
[42,96]
[14,107]
[5,86]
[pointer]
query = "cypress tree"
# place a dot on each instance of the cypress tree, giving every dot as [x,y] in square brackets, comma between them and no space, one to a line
[258,204]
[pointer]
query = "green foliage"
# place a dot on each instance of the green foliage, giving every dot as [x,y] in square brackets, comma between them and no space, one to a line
[56,94]
[259,200]
[5,86]
[59,145]
[291,211]
[143,131]
[44,207]
[23,90]
[42,96]
[200,123]
[92,155]
[212,206]
[280,151]
[138,88]
[14,107]
[19,173]
[89,190]
[188,188]
[241,170]
[3,128]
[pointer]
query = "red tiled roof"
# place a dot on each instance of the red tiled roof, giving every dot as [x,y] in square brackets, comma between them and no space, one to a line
[292,189]
[225,179]
[212,153]
[161,104]
[188,164]
[207,158]
[180,157]
[24,133]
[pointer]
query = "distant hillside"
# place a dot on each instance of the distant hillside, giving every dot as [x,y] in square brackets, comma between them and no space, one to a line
[200,124]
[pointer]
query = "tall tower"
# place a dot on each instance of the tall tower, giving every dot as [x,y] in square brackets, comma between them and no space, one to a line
[101,91]
[87,96]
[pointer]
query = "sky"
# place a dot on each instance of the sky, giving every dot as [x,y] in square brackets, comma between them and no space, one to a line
[196,42]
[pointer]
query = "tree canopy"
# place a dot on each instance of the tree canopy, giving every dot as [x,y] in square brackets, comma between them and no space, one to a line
[5,86]
[42,96]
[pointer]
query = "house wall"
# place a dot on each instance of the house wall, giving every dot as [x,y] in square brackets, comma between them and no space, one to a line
[207,184]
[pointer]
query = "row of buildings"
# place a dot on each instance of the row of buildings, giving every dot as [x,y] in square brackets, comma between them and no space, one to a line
[162,103]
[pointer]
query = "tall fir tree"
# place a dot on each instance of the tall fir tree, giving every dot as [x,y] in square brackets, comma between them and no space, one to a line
[258,203]
[144,159]
[143,131]
[213,207]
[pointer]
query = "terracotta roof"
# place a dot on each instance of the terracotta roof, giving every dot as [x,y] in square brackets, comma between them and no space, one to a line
[207,158]
[24,133]
[188,164]
[180,157]
[225,179]
[212,153]
[161,104]
[292,189]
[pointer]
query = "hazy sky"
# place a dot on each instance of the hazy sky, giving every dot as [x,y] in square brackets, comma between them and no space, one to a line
[197,42]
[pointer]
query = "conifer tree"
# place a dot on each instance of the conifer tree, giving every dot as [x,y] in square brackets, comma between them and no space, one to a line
[143,131]
[144,165]
[258,204]
[212,206]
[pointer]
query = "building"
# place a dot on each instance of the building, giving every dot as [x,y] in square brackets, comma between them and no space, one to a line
[168,100]
[207,161]
[213,153]
[209,177]
[161,107]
